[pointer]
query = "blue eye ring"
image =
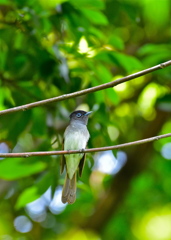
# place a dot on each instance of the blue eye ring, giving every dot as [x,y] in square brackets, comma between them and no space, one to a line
[78,115]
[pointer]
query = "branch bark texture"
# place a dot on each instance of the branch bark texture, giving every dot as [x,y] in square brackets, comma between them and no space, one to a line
[114,196]
[86,91]
[100,149]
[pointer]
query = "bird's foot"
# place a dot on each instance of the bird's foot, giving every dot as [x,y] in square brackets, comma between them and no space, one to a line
[81,150]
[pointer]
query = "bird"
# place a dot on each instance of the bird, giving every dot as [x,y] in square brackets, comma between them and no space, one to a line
[76,137]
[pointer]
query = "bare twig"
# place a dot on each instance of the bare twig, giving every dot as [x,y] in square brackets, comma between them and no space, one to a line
[86,91]
[31,154]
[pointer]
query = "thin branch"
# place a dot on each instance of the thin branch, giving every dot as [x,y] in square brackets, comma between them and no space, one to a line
[86,91]
[31,154]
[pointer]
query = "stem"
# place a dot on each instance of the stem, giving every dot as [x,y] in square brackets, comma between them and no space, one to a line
[100,149]
[86,91]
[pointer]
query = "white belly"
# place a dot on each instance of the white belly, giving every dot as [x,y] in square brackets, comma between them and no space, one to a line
[74,140]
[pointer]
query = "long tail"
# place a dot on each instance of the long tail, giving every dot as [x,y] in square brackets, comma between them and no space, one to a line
[69,190]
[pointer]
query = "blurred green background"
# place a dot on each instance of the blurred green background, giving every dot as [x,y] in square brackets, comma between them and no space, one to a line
[54,47]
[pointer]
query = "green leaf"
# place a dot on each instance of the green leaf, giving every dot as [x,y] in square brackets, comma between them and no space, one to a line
[117,42]
[96,32]
[2,96]
[129,63]
[109,94]
[32,193]
[95,17]
[156,15]
[44,182]
[15,168]
[95,4]
[16,125]
[153,49]
[104,56]
[27,196]
[154,53]
[103,73]
[38,116]
[51,4]
[112,95]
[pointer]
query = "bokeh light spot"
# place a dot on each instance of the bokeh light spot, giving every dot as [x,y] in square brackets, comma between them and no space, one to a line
[4,148]
[108,163]
[22,224]
[166,151]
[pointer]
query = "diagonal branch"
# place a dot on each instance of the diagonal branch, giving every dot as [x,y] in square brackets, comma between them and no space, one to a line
[86,91]
[100,149]
[112,200]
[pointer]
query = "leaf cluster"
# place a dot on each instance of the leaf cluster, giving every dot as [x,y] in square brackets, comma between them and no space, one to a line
[50,48]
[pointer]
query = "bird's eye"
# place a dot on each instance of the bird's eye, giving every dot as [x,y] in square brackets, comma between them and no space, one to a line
[78,115]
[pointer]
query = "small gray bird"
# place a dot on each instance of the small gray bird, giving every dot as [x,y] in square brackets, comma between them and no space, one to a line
[76,137]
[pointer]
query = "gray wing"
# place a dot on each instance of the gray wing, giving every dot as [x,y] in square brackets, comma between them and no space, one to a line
[63,161]
[82,161]
[81,165]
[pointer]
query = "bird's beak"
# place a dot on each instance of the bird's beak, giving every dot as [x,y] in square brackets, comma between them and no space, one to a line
[86,114]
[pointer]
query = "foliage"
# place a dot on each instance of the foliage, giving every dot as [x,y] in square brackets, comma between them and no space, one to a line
[50,48]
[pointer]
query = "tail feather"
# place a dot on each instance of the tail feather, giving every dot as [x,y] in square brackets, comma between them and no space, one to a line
[69,190]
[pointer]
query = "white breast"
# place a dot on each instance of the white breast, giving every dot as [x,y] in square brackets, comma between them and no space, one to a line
[75,139]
